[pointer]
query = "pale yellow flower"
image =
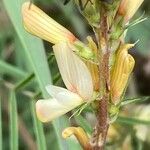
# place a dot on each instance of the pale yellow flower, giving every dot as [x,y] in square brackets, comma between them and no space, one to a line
[40,24]
[77,79]
[74,72]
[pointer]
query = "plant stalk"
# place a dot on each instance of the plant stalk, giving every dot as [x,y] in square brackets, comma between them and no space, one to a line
[98,139]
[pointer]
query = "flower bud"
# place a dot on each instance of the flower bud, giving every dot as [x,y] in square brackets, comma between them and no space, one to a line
[128,8]
[40,24]
[121,71]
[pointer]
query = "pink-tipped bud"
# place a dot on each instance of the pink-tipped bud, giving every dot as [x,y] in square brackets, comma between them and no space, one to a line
[128,8]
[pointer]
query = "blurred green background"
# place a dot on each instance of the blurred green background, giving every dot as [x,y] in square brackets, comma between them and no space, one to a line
[27,64]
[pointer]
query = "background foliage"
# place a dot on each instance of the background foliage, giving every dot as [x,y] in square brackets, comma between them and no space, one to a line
[27,65]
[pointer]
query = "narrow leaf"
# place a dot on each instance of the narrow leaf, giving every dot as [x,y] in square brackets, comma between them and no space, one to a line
[83,123]
[25,81]
[35,54]
[1,138]
[135,100]
[132,121]
[13,121]
[11,70]
[38,128]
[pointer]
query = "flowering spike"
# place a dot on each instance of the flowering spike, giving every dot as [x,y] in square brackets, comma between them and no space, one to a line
[122,68]
[38,23]
[74,72]
[128,8]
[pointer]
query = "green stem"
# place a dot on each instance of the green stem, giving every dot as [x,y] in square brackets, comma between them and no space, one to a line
[24,81]
[11,70]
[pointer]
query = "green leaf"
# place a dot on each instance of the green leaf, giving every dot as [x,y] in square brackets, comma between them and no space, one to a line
[83,123]
[1,138]
[38,128]
[32,46]
[134,100]
[75,20]
[132,121]
[35,53]
[13,121]
[140,32]
[11,70]
[23,82]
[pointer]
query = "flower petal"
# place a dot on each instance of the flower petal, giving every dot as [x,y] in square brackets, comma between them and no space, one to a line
[54,90]
[40,24]
[62,95]
[74,72]
[48,110]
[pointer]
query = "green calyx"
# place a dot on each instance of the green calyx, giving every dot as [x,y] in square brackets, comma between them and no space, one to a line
[83,51]
[113,112]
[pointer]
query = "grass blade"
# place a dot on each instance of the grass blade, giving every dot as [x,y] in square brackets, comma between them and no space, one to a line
[135,100]
[83,123]
[13,121]
[32,46]
[1,138]
[132,121]
[35,53]
[11,70]
[38,128]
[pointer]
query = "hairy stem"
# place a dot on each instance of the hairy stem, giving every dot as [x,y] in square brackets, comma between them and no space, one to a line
[100,132]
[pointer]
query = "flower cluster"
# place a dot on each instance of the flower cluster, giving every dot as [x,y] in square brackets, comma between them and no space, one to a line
[77,61]
[74,71]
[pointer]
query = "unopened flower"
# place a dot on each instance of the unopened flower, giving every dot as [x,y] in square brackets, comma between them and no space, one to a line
[128,8]
[121,71]
[40,24]
[77,79]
